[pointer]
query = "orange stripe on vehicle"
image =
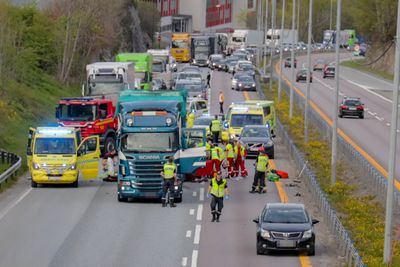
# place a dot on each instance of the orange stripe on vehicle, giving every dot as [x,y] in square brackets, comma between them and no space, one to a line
[367,156]
[105,122]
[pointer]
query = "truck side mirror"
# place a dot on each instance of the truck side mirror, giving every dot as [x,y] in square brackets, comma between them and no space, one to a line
[57,112]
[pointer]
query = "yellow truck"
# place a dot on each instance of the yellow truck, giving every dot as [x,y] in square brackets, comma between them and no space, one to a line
[180,47]
[56,155]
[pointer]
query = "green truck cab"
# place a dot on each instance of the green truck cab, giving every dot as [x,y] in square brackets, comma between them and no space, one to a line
[143,67]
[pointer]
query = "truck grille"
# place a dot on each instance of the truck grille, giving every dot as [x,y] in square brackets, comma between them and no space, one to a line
[281,235]
[148,178]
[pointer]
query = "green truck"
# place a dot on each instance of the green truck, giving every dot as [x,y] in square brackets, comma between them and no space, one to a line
[152,128]
[143,67]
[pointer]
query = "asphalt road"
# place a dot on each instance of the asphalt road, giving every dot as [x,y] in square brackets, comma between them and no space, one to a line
[371,133]
[87,226]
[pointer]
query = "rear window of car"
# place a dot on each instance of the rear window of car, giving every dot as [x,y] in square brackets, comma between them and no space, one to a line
[352,103]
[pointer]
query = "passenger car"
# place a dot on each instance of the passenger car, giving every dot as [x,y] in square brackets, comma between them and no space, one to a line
[212,59]
[285,226]
[245,82]
[195,87]
[351,106]
[288,63]
[235,79]
[329,71]
[302,75]
[221,64]
[255,136]
[320,64]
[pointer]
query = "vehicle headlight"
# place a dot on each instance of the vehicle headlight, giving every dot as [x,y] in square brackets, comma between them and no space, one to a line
[265,234]
[208,61]
[35,166]
[194,60]
[214,64]
[267,125]
[168,121]
[307,234]
[240,84]
[129,122]
[254,85]
[72,167]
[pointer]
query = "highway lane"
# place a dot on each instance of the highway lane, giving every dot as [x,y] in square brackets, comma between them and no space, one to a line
[372,133]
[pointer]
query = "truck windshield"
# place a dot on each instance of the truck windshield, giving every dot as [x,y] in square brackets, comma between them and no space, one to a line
[237,39]
[180,44]
[99,88]
[54,146]
[240,120]
[150,142]
[158,67]
[77,112]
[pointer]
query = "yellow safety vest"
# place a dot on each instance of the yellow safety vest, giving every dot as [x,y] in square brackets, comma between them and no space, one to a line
[215,126]
[218,190]
[262,162]
[215,153]
[169,170]
[241,150]
[208,147]
[229,149]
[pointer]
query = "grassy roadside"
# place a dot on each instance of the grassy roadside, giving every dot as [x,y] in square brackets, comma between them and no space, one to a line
[3,167]
[360,64]
[360,213]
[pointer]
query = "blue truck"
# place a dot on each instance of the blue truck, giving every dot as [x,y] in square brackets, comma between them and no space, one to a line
[151,129]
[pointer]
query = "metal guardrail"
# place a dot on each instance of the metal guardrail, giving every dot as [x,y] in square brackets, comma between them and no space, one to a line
[14,161]
[346,245]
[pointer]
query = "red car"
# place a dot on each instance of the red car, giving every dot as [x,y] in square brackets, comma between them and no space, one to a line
[329,71]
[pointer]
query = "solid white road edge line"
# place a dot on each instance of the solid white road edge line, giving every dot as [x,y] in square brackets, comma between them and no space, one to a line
[15,203]
[199,212]
[366,88]
[197,234]
[195,254]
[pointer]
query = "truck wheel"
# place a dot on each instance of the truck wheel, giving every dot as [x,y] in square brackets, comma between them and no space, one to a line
[34,184]
[109,145]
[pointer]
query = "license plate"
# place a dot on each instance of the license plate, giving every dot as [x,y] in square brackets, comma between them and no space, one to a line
[54,178]
[351,108]
[286,243]
[254,149]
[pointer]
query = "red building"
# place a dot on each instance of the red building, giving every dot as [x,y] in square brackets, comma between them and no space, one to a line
[218,12]
[168,7]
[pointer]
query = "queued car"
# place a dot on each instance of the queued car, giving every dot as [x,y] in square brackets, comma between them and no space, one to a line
[288,62]
[256,136]
[235,79]
[302,75]
[191,69]
[351,106]
[212,58]
[241,65]
[245,82]
[231,63]
[329,71]
[221,64]
[319,64]
[194,87]
[197,106]
[285,227]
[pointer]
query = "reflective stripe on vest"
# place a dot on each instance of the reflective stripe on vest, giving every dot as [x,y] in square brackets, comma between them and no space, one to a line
[229,148]
[241,150]
[218,190]
[214,153]
[221,153]
[262,163]
[169,170]
[215,126]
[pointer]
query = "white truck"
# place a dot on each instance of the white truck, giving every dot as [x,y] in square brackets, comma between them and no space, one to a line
[240,39]
[108,79]
[161,65]
[278,36]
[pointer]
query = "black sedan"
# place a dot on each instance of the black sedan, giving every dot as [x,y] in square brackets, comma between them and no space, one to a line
[285,226]
[351,106]
[221,64]
[302,75]
[245,82]
[255,136]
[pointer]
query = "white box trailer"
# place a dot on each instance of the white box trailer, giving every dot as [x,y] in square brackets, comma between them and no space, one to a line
[279,36]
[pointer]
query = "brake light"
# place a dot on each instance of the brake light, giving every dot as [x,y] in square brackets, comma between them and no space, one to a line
[343,107]
[360,107]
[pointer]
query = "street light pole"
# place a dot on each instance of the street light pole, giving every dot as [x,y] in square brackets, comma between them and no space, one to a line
[266,34]
[336,96]
[387,251]
[330,17]
[292,57]
[310,14]
[258,31]
[281,50]
[271,67]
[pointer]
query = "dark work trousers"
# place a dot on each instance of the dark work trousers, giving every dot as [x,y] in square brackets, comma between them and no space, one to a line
[215,137]
[259,180]
[168,184]
[216,201]
[221,107]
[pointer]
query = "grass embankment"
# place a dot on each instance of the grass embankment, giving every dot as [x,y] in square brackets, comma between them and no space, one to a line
[361,64]
[360,213]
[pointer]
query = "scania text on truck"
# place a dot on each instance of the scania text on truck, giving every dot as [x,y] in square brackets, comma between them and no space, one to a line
[56,155]
[180,47]
[109,79]
[143,67]
[93,116]
[152,128]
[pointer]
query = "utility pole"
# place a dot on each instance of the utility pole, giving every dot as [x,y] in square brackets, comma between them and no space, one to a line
[387,251]
[298,20]
[336,96]
[271,67]
[292,58]
[330,16]
[281,50]
[310,15]
[258,31]
[266,34]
